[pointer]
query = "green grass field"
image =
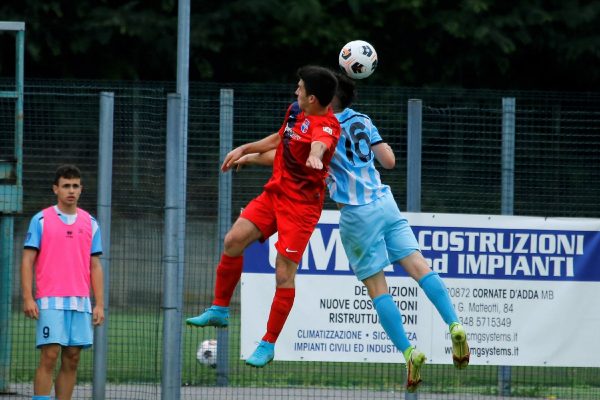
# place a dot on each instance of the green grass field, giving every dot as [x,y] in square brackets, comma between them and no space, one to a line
[135,356]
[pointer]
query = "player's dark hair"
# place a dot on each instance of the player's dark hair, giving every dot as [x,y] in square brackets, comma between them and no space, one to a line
[67,171]
[319,82]
[346,90]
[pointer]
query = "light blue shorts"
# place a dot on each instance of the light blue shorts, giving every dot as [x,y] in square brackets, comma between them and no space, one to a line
[375,233]
[64,327]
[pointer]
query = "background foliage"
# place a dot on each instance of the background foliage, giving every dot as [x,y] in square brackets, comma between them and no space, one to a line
[514,44]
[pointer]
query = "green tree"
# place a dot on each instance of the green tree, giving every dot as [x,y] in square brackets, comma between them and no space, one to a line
[524,44]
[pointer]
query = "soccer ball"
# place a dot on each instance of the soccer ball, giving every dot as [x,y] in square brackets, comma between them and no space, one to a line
[358,59]
[207,353]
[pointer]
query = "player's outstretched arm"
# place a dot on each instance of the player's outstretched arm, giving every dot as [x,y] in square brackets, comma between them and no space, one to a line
[317,150]
[261,146]
[384,154]
[263,159]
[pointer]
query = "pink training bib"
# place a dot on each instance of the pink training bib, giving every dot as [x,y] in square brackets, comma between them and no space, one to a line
[63,263]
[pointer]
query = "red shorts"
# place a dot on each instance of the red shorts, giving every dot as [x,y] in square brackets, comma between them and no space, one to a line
[294,222]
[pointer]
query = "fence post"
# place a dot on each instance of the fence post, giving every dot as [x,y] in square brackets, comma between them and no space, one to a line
[183,61]
[413,169]
[508,155]
[224,218]
[508,190]
[11,201]
[105,160]
[171,371]
[6,271]
[413,156]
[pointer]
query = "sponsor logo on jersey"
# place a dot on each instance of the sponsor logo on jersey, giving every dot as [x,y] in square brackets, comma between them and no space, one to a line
[304,127]
[328,130]
[289,133]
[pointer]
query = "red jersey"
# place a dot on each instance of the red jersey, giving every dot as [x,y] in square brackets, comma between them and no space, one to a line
[291,176]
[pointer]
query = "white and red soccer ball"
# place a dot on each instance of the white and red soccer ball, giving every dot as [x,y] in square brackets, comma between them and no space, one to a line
[358,59]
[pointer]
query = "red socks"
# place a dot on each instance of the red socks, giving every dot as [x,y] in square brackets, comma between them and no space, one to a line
[280,309]
[229,272]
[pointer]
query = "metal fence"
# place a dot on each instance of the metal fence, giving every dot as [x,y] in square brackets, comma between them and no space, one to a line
[557,160]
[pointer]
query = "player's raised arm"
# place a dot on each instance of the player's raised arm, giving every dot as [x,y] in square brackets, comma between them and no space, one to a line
[261,146]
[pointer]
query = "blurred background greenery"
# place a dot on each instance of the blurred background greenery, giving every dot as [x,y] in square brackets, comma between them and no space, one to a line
[512,44]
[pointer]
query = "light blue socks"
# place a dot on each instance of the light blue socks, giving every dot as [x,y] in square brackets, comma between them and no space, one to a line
[436,291]
[41,398]
[391,321]
[391,318]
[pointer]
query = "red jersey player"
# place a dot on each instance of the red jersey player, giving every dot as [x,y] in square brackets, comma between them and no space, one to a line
[290,204]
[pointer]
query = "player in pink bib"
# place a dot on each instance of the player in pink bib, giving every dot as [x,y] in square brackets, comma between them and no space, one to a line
[62,247]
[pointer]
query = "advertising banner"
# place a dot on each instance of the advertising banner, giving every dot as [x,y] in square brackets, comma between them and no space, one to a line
[525,289]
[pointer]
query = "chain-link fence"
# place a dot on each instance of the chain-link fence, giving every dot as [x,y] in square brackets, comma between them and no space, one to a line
[556,174]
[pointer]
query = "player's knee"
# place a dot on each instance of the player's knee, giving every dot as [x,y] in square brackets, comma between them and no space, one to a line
[70,359]
[285,275]
[284,281]
[233,243]
[415,265]
[48,357]
[236,240]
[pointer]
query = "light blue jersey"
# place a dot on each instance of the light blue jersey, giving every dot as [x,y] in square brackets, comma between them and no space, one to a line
[371,243]
[353,178]
[34,241]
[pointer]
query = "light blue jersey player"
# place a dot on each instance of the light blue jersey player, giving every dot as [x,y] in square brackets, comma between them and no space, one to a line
[374,232]
[353,178]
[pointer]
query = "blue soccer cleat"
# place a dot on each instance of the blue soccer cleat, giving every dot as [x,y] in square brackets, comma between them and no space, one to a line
[263,355]
[213,316]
